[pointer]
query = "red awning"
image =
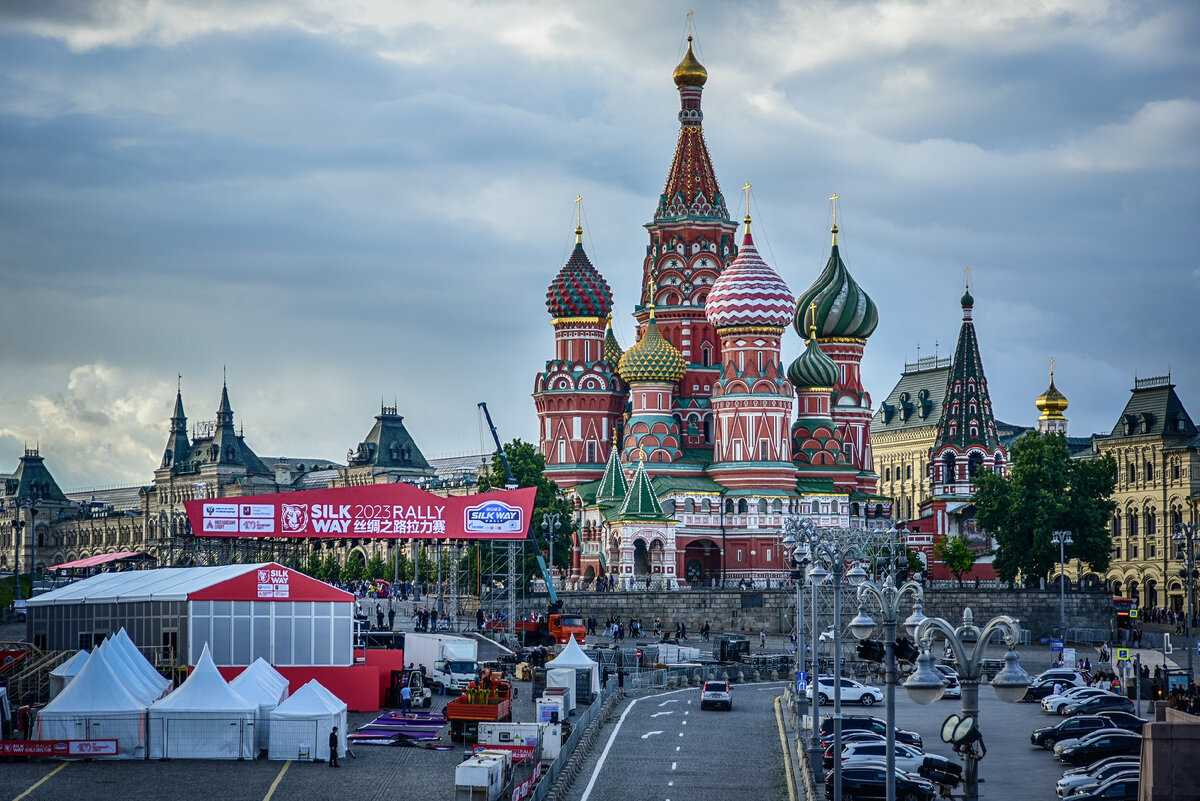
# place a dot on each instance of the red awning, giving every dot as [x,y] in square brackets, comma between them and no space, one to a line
[104,559]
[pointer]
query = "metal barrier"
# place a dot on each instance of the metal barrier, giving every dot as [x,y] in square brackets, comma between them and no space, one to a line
[578,730]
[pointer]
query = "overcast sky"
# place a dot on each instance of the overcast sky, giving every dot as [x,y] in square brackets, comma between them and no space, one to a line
[343,202]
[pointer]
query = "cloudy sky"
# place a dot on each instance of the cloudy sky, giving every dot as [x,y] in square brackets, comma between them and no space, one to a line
[339,202]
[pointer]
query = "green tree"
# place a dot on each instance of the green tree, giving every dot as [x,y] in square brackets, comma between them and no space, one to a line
[376,567]
[1046,490]
[312,565]
[331,569]
[355,569]
[956,555]
[528,466]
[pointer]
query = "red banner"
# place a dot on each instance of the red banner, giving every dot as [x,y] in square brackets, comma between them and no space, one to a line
[376,511]
[58,748]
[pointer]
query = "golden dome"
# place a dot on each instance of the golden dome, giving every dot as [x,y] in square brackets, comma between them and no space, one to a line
[690,72]
[1052,403]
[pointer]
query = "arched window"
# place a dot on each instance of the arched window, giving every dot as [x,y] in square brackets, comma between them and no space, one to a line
[1116,524]
[729,507]
[1133,523]
[689,506]
[706,355]
[974,461]
[1132,472]
[1149,471]
[742,506]
[948,468]
[1151,522]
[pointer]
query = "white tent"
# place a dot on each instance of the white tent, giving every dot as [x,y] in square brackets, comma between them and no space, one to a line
[139,662]
[96,705]
[265,686]
[203,719]
[302,723]
[61,676]
[573,656]
[141,686]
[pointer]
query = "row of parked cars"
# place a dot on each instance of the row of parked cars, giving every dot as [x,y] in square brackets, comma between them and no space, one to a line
[919,775]
[1100,735]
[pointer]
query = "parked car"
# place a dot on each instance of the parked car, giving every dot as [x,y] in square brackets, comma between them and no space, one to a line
[870,781]
[19,610]
[1071,728]
[1125,720]
[1120,788]
[1072,781]
[1097,745]
[1072,695]
[953,688]
[716,693]
[908,759]
[867,723]
[1043,684]
[852,691]
[1100,703]
[847,738]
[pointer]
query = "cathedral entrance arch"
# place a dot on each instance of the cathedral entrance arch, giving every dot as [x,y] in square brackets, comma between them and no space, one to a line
[641,559]
[701,561]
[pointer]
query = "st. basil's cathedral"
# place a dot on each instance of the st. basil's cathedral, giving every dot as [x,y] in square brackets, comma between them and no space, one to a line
[683,454]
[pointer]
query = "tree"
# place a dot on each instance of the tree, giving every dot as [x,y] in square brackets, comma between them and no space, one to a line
[528,466]
[312,565]
[376,567]
[331,570]
[1047,491]
[956,555]
[355,569]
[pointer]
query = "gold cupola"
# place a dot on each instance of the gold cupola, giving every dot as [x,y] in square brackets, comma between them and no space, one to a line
[690,72]
[1052,403]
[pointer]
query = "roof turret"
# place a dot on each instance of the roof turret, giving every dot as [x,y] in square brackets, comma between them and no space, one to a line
[844,310]
[578,290]
[642,502]
[813,369]
[612,348]
[1051,403]
[613,484]
[653,358]
[749,293]
[690,71]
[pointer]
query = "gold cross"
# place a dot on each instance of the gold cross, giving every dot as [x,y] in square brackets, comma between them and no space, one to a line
[1052,367]
[835,199]
[746,189]
[578,210]
[967,273]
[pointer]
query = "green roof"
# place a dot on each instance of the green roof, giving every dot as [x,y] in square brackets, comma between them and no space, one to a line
[816,486]
[642,501]
[664,485]
[613,485]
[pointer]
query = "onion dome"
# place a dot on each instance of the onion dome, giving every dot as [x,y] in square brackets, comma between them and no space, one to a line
[652,359]
[813,369]
[612,348]
[749,292]
[578,290]
[690,72]
[843,308]
[967,300]
[1051,403]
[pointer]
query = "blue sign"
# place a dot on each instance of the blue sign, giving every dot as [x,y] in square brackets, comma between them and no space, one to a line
[1056,644]
[801,686]
[803,675]
[493,517]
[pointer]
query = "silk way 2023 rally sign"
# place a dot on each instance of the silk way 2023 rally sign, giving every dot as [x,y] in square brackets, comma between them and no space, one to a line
[385,511]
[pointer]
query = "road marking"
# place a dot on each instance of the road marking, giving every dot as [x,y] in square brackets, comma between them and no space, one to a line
[680,734]
[39,782]
[670,784]
[684,722]
[587,792]
[673,765]
[686,712]
[672,701]
[676,748]
[278,779]
[668,712]
[787,759]
[649,734]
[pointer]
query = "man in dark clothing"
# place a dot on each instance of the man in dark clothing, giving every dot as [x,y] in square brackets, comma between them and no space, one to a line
[621,678]
[391,618]
[333,748]
[379,616]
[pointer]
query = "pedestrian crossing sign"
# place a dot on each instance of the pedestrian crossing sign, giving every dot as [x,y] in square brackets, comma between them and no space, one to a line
[1122,653]
[1132,613]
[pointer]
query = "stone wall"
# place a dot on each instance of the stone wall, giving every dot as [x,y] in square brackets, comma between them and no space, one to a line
[772,610]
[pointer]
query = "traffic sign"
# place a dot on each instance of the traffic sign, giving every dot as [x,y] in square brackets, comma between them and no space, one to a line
[801,686]
[1122,653]
[802,675]
[1132,613]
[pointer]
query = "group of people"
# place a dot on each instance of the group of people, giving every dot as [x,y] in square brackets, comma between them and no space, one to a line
[1168,617]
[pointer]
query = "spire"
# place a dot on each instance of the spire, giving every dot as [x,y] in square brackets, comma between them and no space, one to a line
[653,358]
[967,408]
[178,418]
[746,219]
[844,310]
[813,369]
[690,71]
[224,411]
[178,445]
[691,189]
[834,229]
[612,348]
[1051,403]
[641,502]
[613,485]
[579,290]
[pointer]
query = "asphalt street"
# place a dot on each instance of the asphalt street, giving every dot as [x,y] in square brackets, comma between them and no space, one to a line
[661,746]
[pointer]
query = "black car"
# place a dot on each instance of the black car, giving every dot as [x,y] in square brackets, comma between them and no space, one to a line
[861,782]
[867,723]
[1078,726]
[1098,705]
[1124,720]
[1099,745]
[1122,789]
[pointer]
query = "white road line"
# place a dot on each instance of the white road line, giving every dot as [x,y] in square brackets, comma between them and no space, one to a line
[648,734]
[680,734]
[668,712]
[587,792]
[673,767]
[670,784]
[672,701]
[676,748]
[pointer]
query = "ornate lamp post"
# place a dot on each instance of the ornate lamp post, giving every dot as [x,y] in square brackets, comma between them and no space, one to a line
[926,684]
[29,504]
[889,597]
[799,562]
[551,525]
[1185,538]
[1062,539]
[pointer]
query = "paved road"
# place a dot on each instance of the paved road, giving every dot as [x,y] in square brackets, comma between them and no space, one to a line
[661,746]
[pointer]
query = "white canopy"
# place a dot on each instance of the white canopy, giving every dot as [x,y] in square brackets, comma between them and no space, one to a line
[96,705]
[61,676]
[265,686]
[572,656]
[302,724]
[203,719]
[140,663]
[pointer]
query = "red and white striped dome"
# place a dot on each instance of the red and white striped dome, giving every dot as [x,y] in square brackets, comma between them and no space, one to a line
[749,293]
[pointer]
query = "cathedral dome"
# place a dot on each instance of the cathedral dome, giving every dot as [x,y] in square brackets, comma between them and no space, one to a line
[813,368]
[690,72]
[749,292]
[843,308]
[1051,403]
[579,290]
[652,358]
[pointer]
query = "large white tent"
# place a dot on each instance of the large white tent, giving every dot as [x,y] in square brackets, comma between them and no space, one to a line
[203,719]
[96,705]
[122,642]
[301,724]
[572,656]
[265,686]
[141,686]
[61,676]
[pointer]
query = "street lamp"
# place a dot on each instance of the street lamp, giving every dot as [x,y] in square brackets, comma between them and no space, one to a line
[926,685]
[799,561]
[1062,539]
[889,598]
[1185,538]
[551,525]
[29,504]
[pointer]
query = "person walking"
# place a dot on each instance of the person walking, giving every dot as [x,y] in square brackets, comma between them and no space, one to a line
[333,748]
[762,639]
[379,616]
[406,698]
[621,678]
[391,617]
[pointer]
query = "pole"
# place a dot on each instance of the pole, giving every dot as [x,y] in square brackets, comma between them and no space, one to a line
[969,683]
[1137,682]
[801,697]
[816,755]
[1191,583]
[837,677]
[889,643]
[1062,589]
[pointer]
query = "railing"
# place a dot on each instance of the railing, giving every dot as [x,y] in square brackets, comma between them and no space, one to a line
[578,731]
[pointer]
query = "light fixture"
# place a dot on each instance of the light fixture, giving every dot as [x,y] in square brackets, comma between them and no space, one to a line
[926,684]
[789,540]
[862,626]
[818,575]
[856,575]
[1011,683]
[914,620]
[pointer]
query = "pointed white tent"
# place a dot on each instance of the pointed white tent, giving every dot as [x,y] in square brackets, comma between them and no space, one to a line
[96,705]
[572,656]
[141,687]
[61,676]
[139,662]
[266,687]
[203,719]
[302,723]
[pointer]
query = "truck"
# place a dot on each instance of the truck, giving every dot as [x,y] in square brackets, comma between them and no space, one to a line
[449,662]
[551,629]
[488,700]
